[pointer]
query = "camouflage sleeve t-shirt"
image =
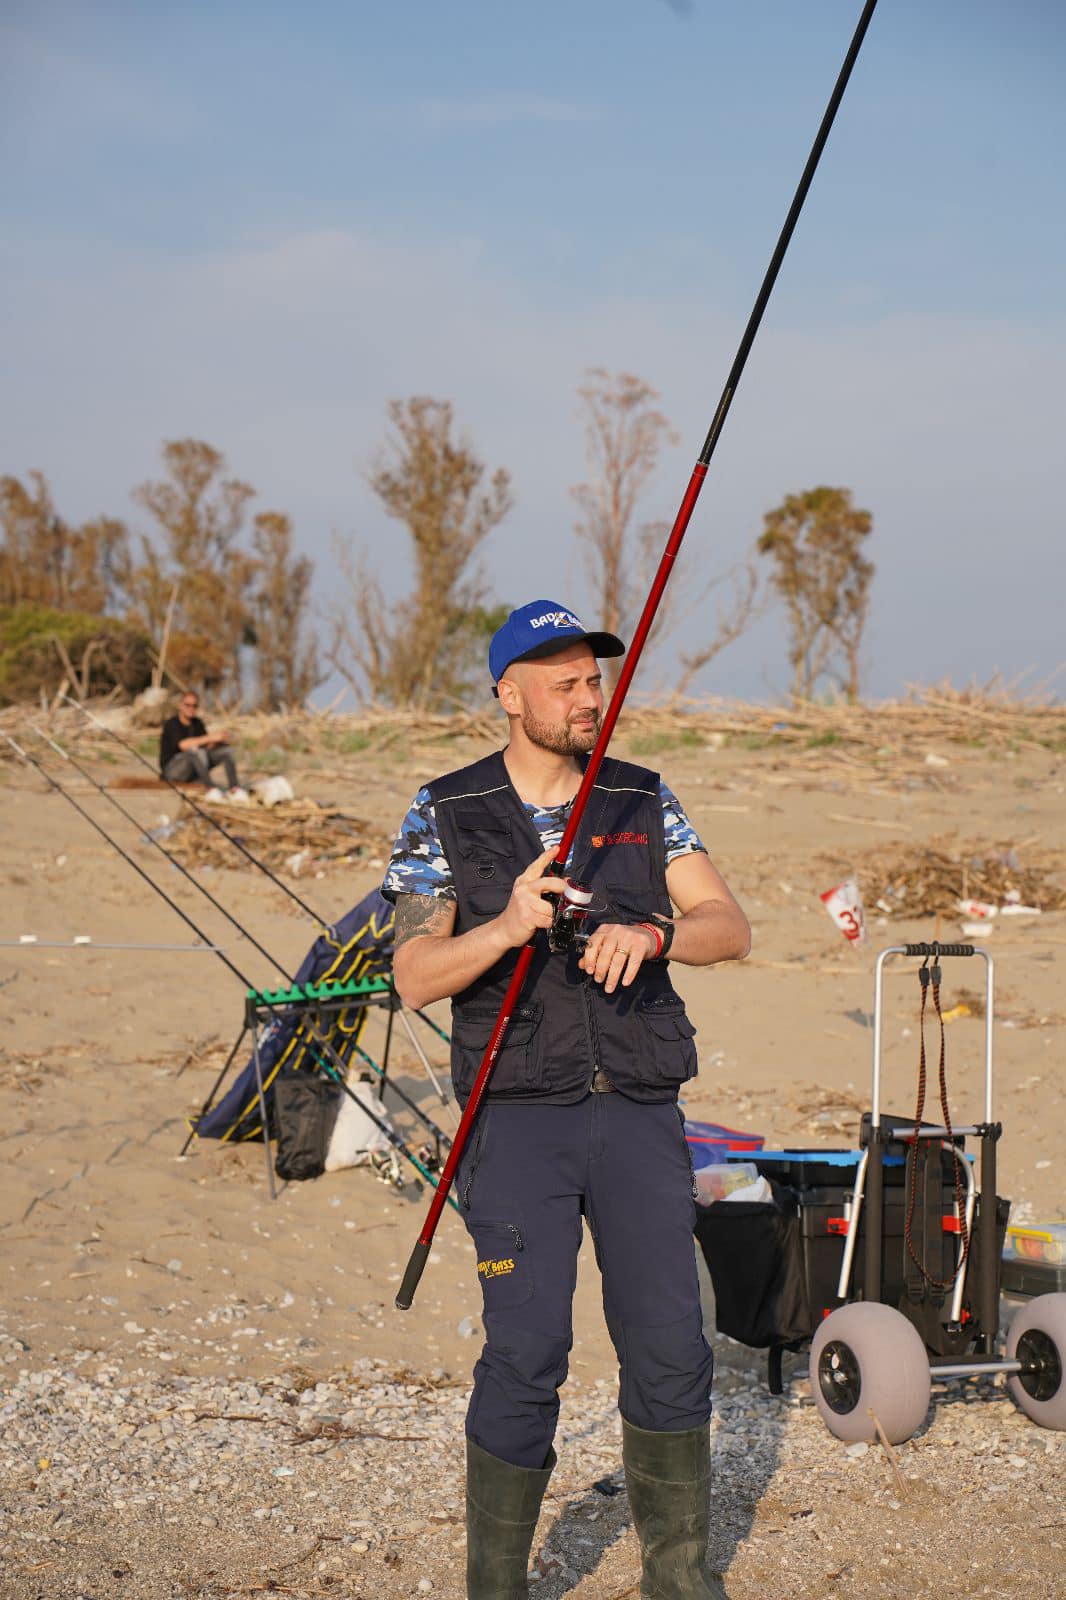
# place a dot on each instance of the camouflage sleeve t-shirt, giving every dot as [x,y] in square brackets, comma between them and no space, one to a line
[419,865]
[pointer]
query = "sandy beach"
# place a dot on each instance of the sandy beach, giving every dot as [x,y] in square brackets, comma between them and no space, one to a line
[206,1393]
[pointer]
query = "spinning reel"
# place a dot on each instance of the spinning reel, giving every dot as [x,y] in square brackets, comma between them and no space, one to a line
[567,930]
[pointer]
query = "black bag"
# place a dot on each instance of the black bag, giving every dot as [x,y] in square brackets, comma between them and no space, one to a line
[305,1109]
[754,1254]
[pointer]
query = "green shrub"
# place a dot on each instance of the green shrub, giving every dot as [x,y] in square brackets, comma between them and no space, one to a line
[30,661]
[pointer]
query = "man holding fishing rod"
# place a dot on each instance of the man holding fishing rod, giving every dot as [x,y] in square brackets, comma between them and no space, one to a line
[580,1117]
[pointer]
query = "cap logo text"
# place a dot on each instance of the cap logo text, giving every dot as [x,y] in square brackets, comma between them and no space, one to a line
[556,619]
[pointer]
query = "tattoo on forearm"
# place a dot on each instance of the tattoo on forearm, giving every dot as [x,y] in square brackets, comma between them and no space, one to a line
[417,914]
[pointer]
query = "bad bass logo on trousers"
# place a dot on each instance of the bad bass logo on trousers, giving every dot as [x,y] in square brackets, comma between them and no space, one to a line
[495,1269]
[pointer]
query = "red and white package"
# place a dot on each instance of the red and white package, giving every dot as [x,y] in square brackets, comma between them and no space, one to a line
[844,905]
[978,910]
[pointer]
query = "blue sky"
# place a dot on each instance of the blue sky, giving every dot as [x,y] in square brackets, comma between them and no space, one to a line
[257,224]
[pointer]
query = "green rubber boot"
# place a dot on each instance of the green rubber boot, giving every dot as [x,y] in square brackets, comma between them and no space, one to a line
[668,1476]
[502,1507]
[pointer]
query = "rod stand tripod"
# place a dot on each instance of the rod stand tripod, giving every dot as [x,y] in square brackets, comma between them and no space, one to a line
[312,1009]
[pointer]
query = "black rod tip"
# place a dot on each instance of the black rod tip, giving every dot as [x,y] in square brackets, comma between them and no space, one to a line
[411,1278]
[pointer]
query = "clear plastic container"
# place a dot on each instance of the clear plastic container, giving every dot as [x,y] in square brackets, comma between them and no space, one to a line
[1036,1241]
[719,1181]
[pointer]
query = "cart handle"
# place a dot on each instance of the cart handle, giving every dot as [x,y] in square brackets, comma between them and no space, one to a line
[936,950]
[930,950]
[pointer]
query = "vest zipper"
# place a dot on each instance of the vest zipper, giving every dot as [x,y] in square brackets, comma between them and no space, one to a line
[590,1028]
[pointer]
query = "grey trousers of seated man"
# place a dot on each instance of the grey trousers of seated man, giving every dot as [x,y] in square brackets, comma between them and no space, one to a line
[195,766]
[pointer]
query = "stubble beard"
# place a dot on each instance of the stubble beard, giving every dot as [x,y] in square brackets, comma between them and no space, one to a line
[561,738]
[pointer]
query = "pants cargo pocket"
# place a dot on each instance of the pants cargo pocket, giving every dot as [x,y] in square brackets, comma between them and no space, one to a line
[504,1267]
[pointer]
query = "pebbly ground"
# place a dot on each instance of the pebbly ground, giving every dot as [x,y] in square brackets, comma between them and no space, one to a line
[203,1394]
[151,1483]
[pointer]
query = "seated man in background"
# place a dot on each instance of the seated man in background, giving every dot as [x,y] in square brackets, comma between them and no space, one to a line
[187,752]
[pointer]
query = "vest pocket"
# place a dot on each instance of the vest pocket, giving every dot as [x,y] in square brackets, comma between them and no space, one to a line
[518,1064]
[670,1035]
[488,865]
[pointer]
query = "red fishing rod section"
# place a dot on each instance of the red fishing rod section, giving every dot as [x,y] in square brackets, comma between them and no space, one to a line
[420,1253]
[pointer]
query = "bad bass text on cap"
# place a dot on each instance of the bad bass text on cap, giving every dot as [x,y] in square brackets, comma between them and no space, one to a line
[539,629]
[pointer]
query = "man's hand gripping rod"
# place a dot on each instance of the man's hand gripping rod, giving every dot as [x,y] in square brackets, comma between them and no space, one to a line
[420,1253]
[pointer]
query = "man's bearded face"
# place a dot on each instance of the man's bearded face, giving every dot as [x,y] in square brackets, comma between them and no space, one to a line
[562,701]
[572,737]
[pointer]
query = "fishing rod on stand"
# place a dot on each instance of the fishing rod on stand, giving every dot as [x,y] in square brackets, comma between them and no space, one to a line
[239,844]
[420,1254]
[334,1064]
[156,844]
[412,1105]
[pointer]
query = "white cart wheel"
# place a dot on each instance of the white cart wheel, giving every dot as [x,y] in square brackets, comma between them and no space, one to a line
[1038,1338]
[868,1357]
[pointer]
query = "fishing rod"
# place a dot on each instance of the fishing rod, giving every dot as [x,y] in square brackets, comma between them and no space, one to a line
[174,862]
[420,1253]
[412,1105]
[336,1066]
[200,812]
[239,845]
[416,1046]
[255,861]
[53,783]
[84,941]
[125,812]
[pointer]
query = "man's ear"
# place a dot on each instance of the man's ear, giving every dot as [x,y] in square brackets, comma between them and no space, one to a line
[510,696]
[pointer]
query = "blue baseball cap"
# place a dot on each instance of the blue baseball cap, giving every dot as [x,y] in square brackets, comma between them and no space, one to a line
[541,628]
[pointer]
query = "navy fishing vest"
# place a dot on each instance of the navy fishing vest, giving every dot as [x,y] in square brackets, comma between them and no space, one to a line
[564,1027]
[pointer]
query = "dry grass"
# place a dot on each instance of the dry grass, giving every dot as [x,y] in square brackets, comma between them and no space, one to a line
[294,836]
[927,720]
[919,880]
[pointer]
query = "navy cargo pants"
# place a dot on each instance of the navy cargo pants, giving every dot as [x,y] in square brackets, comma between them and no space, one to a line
[528,1175]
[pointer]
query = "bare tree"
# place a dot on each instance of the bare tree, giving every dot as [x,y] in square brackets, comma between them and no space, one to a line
[44,560]
[731,620]
[624,433]
[814,541]
[201,515]
[419,650]
[287,662]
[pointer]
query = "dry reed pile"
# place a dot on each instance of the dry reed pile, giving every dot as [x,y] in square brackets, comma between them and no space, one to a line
[294,837]
[927,720]
[912,880]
